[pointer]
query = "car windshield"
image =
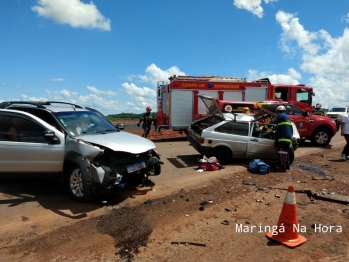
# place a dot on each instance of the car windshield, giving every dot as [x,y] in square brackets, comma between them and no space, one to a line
[338,109]
[84,123]
[290,109]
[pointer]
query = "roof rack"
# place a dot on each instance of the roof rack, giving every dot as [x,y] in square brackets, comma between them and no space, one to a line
[58,102]
[9,103]
[39,104]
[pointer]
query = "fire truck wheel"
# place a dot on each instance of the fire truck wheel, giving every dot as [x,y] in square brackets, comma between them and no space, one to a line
[321,137]
[223,154]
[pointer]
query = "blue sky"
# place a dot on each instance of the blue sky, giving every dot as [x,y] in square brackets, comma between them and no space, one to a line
[110,54]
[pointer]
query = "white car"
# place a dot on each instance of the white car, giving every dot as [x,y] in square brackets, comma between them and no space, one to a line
[226,136]
[337,113]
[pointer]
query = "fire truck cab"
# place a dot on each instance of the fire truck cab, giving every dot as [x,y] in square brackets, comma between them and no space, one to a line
[178,103]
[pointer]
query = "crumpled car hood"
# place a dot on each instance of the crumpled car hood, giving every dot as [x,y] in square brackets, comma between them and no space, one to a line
[120,141]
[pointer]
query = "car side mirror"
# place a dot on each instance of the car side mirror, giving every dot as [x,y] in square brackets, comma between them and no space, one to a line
[305,113]
[120,126]
[49,134]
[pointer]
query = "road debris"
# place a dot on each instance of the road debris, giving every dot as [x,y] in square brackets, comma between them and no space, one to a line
[323,178]
[187,243]
[323,195]
[225,222]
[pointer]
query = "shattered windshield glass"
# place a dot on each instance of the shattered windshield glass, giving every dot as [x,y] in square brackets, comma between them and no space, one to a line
[84,123]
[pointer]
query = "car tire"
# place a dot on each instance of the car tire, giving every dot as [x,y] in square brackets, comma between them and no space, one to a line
[74,184]
[321,137]
[223,154]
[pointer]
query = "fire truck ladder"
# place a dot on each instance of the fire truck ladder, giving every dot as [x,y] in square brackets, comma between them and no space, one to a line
[207,78]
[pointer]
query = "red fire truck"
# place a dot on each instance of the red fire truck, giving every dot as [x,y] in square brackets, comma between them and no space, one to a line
[178,104]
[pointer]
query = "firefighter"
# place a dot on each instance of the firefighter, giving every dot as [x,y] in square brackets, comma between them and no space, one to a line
[318,110]
[283,137]
[147,120]
[246,110]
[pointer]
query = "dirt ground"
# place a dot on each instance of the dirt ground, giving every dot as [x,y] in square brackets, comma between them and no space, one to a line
[201,223]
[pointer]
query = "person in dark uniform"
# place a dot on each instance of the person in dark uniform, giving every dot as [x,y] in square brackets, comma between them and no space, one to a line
[147,120]
[318,110]
[283,137]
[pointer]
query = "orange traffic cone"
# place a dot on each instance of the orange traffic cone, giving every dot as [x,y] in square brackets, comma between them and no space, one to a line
[287,228]
[160,118]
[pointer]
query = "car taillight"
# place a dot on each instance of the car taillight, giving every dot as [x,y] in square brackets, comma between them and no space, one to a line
[200,139]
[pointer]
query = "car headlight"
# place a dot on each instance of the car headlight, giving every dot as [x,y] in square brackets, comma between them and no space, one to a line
[334,122]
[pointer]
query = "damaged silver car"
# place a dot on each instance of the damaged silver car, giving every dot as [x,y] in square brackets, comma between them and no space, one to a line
[76,143]
[231,135]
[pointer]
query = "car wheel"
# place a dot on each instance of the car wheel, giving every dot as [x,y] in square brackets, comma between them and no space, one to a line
[74,184]
[321,137]
[223,154]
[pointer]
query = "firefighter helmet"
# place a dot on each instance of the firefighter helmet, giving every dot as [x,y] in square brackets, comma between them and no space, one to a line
[148,108]
[246,110]
[281,108]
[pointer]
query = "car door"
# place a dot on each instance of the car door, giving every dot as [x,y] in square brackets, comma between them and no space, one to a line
[233,135]
[302,122]
[29,151]
[260,147]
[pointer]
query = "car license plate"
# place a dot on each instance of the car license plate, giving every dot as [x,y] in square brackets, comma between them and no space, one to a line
[135,167]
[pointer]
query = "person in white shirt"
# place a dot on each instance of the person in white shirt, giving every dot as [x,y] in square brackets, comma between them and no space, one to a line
[345,133]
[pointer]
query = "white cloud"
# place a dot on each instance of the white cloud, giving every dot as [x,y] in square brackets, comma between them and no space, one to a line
[270,1]
[133,90]
[346,18]
[27,98]
[144,96]
[100,92]
[136,96]
[294,31]
[73,12]
[291,77]
[253,6]
[330,92]
[153,74]
[323,56]
[334,62]
[56,80]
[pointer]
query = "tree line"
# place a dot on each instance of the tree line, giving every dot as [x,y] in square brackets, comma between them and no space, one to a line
[127,116]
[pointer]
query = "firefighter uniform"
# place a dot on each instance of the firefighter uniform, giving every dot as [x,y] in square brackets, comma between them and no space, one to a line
[283,137]
[147,120]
